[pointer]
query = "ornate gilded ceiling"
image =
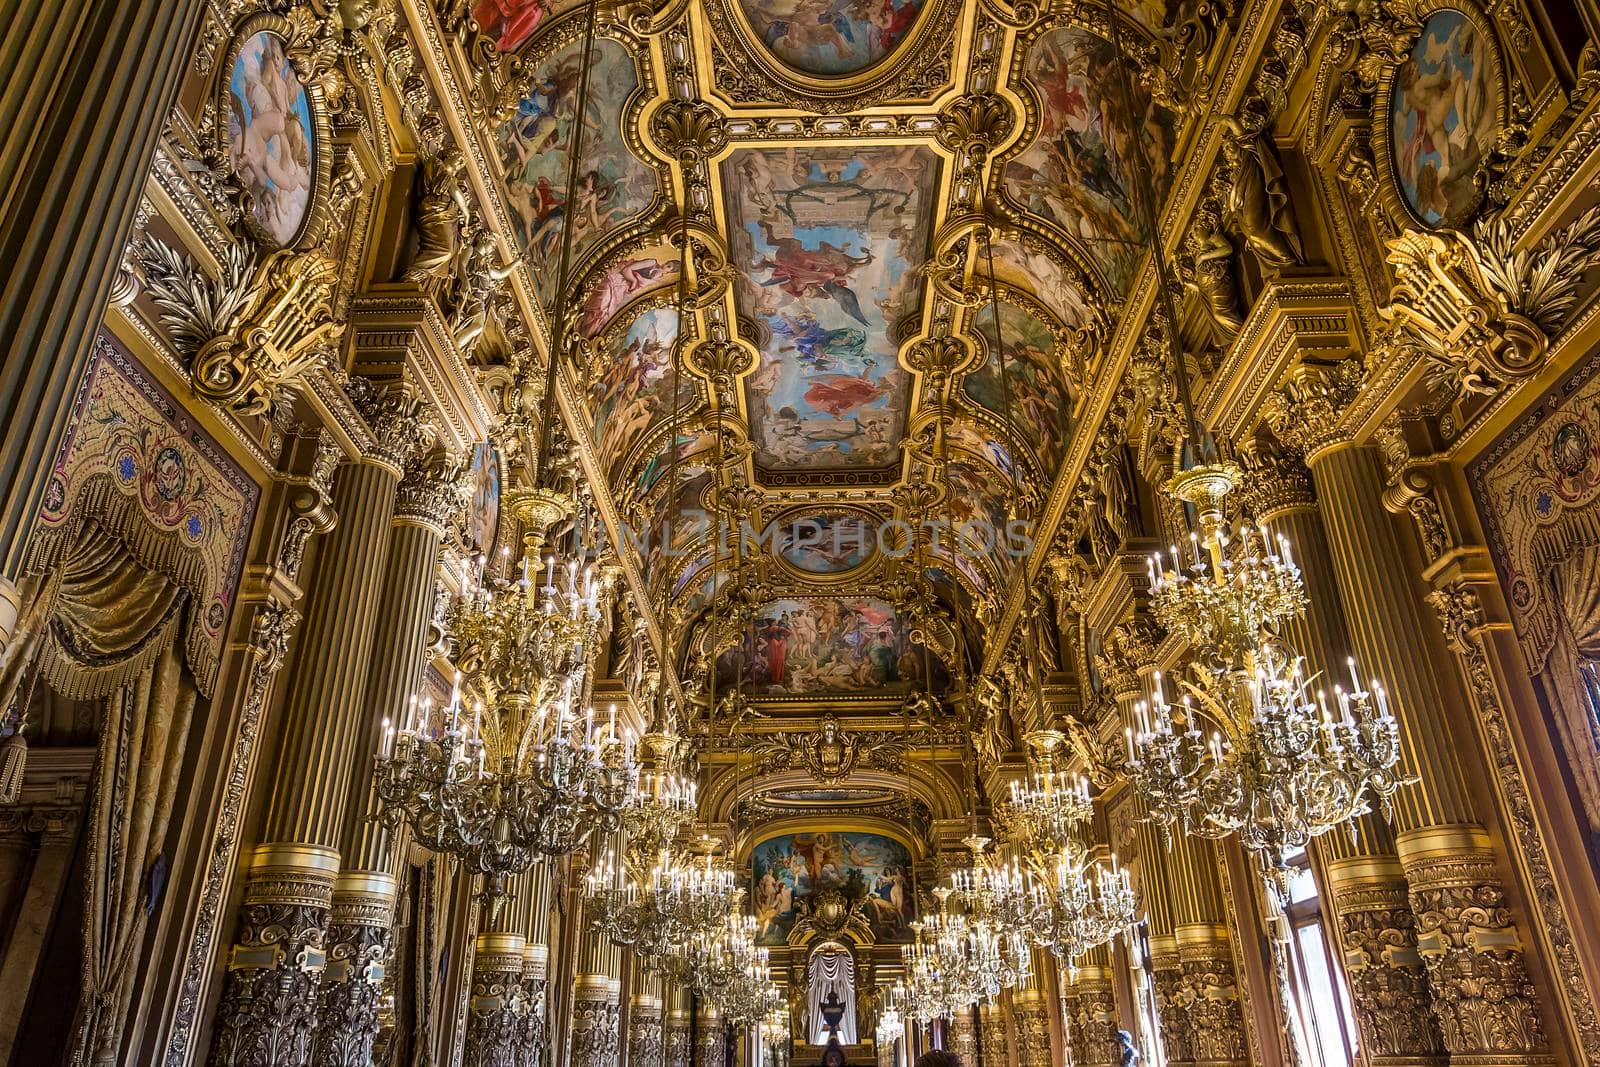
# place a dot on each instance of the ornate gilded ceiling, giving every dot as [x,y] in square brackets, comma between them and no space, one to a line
[831,166]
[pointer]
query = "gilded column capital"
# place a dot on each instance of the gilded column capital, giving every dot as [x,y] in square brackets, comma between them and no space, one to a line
[1129,648]
[392,413]
[1276,480]
[430,492]
[1306,412]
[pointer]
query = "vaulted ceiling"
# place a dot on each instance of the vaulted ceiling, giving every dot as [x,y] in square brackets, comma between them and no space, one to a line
[833,167]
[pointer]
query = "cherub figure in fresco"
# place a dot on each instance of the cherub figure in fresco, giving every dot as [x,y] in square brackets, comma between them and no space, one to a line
[804,25]
[806,272]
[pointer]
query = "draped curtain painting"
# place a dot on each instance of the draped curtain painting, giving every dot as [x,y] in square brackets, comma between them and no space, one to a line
[135,560]
[1538,491]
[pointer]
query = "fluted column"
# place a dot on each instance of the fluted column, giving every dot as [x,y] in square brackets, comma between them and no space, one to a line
[84,94]
[495,1005]
[595,1003]
[1209,992]
[535,925]
[710,1050]
[360,922]
[269,1009]
[1483,997]
[1365,888]
[1092,1012]
[961,1035]
[675,1030]
[644,1021]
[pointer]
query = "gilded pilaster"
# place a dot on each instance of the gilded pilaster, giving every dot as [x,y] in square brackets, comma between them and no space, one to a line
[1483,997]
[1366,888]
[1092,1012]
[270,1007]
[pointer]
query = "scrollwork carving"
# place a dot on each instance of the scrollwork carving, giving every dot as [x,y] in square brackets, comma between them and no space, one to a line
[251,333]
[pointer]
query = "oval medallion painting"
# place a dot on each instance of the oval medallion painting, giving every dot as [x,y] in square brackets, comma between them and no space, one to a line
[832,37]
[825,542]
[1443,108]
[270,140]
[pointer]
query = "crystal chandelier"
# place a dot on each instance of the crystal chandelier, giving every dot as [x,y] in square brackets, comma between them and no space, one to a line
[775,1035]
[950,965]
[530,774]
[1073,902]
[1279,766]
[660,911]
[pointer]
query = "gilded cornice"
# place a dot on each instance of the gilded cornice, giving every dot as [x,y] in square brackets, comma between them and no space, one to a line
[1295,318]
[397,330]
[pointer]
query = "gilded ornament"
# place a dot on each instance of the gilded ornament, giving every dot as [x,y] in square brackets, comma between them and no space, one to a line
[252,334]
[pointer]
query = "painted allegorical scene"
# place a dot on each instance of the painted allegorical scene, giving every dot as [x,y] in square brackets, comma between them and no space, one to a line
[512,22]
[1047,279]
[1443,121]
[831,37]
[270,139]
[612,184]
[871,871]
[624,283]
[633,390]
[1079,171]
[828,247]
[825,644]
[1039,399]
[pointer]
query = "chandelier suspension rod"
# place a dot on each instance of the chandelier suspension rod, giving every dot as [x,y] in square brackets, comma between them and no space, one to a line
[558,329]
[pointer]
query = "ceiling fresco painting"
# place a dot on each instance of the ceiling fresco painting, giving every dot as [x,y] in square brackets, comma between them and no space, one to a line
[613,184]
[825,542]
[811,645]
[1035,390]
[627,280]
[1038,272]
[511,23]
[633,390]
[832,37]
[1078,171]
[829,245]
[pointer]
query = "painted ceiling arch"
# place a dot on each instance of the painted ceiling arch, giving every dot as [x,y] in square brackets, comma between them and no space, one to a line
[825,38]
[617,181]
[1075,169]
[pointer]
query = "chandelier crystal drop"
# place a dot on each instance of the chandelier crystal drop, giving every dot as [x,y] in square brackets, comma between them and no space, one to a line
[1252,749]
